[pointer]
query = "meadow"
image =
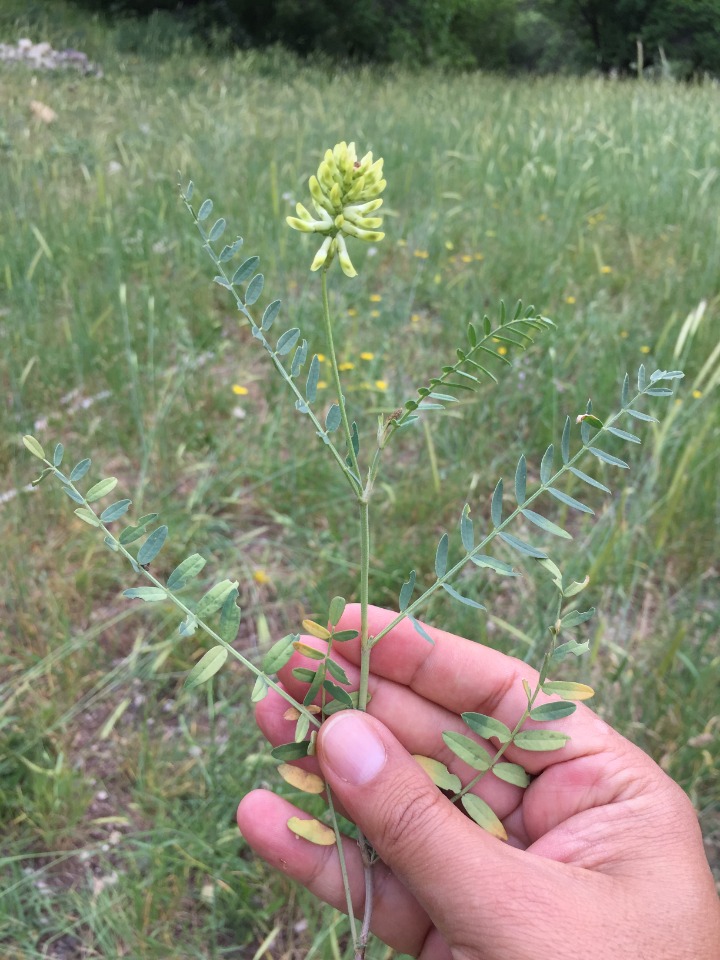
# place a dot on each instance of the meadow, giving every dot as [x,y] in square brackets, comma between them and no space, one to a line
[596,201]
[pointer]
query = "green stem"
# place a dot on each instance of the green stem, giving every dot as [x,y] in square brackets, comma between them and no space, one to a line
[448,576]
[258,333]
[336,378]
[119,548]
[343,869]
[365,640]
[533,697]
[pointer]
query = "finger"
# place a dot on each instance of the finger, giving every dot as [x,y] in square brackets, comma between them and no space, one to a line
[398,919]
[417,723]
[455,869]
[461,676]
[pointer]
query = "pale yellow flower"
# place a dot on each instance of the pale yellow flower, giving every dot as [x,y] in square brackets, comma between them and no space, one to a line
[644,349]
[502,351]
[344,193]
[352,312]
[381,384]
[605,269]
[366,355]
[570,300]
[342,367]
[697,394]
[240,391]
[375,298]
[421,254]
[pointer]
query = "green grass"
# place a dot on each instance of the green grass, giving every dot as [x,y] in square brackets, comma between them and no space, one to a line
[596,201]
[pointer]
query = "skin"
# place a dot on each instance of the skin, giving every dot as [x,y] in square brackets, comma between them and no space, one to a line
[604,859]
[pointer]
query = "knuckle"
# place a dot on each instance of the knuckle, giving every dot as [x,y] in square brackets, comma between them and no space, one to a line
[404,820]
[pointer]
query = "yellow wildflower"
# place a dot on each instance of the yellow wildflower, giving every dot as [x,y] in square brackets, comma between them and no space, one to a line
[502,351]
[375,298]
[449,245]
[421,254]
[344,192]
[624,334]
[240,391]
[322,385]
[366,355]
[644,348]
[352,312]
[466,258]
[570,300]
[346,366]
[374,313]
[260,577]
[605,269]
[697,394]
[381,384]
[414,318]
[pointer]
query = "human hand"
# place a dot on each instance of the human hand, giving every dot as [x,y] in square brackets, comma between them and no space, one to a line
[604,858]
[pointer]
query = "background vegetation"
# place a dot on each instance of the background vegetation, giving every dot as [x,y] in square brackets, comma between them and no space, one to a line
[681,37]
[596,200]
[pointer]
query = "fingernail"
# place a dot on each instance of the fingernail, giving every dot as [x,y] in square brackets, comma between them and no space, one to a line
[352,748]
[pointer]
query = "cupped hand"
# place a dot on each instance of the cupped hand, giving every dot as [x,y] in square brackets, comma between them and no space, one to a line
[604,857]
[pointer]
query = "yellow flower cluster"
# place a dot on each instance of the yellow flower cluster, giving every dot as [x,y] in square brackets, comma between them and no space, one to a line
[344,192]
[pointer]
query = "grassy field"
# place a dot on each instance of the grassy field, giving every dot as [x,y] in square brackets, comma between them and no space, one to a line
[596,201]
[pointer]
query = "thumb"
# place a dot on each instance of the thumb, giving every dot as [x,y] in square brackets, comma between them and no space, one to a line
[428,843]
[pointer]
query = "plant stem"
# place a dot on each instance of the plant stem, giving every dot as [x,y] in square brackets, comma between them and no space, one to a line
[119,548]
[449,574]
[336,377]
[531,700]
[363,497]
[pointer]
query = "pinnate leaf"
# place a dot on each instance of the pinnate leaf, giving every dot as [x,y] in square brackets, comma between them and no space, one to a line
[337,608]
[79,470]
[115,511]
[184,572]
[254,289]
[511,773]
[230,615]
[568,689]
[552,711]
[301,779]
[468,750]
[487,727]
[459,596]
[540,740]
[151,594]
[439,773]
[101,489]
[88,516]
[214,598]
[153,545]
[291,751]
[206,667]
[279,654]
[547,525]
[484,816]
[312,830]
[260,690]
